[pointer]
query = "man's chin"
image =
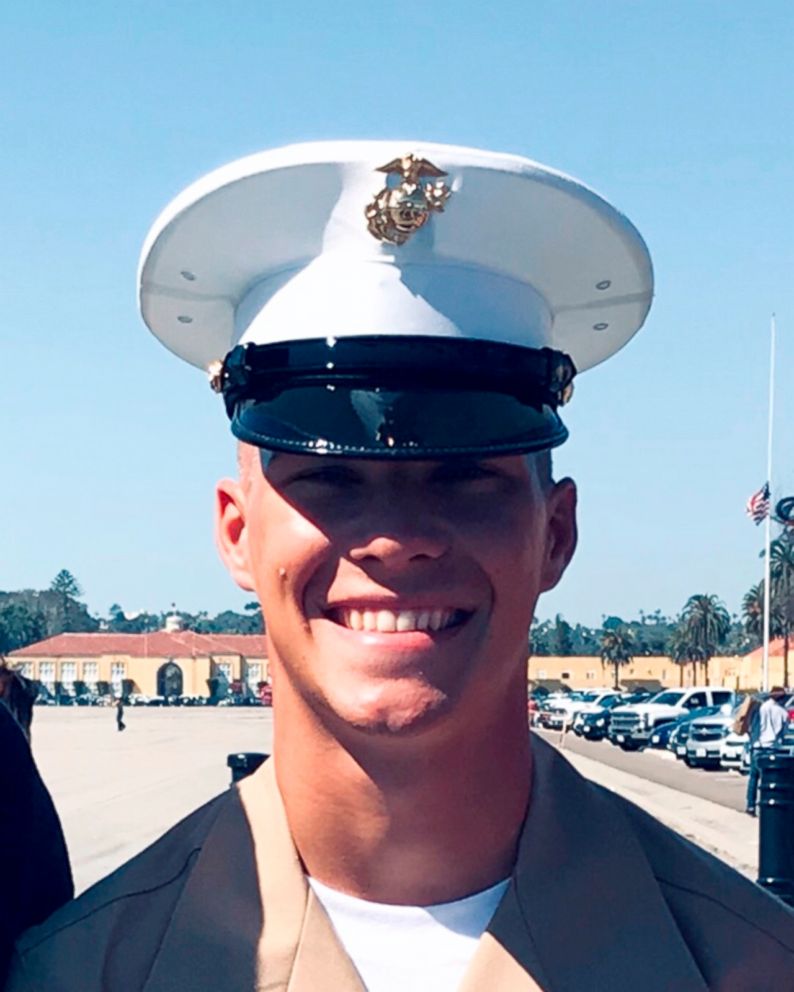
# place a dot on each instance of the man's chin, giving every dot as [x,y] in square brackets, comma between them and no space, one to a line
[394,711]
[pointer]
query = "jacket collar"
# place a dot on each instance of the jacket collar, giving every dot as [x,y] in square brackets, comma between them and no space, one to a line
[583,908]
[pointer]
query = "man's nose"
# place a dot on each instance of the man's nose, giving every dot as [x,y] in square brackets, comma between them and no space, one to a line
[401,537]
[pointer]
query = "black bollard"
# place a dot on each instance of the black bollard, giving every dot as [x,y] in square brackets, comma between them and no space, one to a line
[244,763]
[776,825]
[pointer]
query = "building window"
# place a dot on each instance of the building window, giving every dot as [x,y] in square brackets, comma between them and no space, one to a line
[91,674]
[565,675]
[47,675]
[117,673]
[590,675]
[225,669]
[253,675]
[68,675]
[25,668]
[664,674]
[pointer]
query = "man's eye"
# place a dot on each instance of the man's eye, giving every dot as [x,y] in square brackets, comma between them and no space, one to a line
[464,472]
[331,476]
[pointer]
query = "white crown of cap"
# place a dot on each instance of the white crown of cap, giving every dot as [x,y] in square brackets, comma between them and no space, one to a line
[275,247]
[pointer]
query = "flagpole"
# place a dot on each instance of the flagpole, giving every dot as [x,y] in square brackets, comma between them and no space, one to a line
[768,520]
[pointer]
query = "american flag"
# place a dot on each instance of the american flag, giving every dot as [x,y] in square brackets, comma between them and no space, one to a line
[758,505]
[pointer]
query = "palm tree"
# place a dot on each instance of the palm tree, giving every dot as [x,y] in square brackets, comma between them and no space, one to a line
[753,614]
[753,610]
[617,648]
[683,651]
[707,623]
[781,571]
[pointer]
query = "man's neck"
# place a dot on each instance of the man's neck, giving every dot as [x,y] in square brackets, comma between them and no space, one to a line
[411,822]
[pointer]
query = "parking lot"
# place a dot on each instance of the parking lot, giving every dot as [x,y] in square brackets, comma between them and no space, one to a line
[117,792]
[727,788]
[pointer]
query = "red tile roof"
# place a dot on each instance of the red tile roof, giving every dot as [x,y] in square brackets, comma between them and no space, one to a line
[775,649]
[160,644]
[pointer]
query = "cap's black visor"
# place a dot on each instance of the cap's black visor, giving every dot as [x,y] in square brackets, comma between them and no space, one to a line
[396,397]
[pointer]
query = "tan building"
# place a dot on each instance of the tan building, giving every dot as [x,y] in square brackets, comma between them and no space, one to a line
[161,663]
[181,663]
[734,672]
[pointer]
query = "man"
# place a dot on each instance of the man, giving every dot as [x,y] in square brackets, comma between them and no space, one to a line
[767,730]
[35,876]
[393,330]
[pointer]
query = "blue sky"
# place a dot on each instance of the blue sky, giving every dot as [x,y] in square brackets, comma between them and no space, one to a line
[679,113]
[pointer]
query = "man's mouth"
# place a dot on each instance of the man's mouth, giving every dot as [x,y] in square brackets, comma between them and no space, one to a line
[398,621]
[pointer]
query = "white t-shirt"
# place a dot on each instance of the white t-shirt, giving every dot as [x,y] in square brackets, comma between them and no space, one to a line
[772,723]
[410,948]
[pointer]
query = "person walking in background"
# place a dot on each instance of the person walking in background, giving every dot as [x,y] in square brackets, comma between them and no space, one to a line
[767,729]
[120,724]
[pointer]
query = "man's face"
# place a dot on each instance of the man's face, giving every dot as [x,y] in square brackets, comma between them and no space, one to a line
[396,594]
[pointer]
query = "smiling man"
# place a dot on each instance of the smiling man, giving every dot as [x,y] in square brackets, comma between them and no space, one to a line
[393,328]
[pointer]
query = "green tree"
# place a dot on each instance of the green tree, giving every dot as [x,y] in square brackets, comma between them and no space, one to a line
[781,572]
[562,637]
[684,651]
[617,648]
[707,624]
[753,614]
[540,637]
[66,585]
[19,626]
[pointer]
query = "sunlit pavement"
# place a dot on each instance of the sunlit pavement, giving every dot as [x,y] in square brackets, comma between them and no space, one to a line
[116,792]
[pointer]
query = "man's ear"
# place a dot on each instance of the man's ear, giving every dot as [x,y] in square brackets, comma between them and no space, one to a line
[231,532]
[561,534]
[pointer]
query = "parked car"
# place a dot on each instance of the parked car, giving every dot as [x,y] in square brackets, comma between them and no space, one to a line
[704,744]
[593,722]
[631,726]
[731,750]
[680,734]
[566,707]
[594,700]
[554,710]
[660,738]
[663,733]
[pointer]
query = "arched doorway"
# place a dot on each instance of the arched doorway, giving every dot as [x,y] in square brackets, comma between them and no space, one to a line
[169,680]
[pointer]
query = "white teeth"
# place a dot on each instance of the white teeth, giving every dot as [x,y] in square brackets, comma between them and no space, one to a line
[386,621]
[407,620]
[391,621]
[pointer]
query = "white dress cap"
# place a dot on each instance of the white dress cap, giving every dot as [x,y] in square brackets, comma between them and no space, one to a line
[276,247]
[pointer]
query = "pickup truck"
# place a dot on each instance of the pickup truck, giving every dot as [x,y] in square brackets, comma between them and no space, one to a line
[631,726]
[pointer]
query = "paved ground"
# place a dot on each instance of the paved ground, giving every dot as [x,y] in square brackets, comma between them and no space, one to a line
[726,788]
[117,792]
[729,834]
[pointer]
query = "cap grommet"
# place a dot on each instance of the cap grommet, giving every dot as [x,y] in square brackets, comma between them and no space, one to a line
[190,276]
[601,326]
[184,319]
[604,284]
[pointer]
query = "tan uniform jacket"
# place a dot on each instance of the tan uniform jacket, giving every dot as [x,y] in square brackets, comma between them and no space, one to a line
[603,899]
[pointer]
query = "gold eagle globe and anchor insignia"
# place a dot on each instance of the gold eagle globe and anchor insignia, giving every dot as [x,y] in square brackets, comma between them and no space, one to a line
[397,212]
